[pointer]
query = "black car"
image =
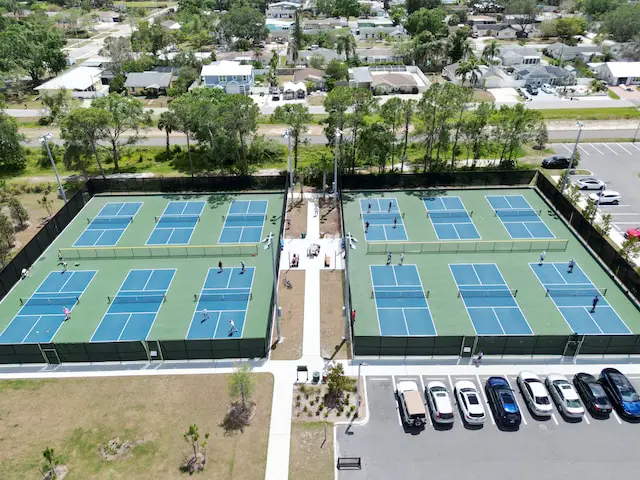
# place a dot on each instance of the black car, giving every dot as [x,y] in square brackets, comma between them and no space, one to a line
[503,402]
[622,393]
[592,394]
[555,161]
[532,90]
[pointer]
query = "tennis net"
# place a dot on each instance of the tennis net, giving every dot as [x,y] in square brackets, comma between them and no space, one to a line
[489,292]
[576,292]
[381,215]
[518,212]
[224,297]
[161,251]
[399,294]
[50,301]
[450,214]
[137,299]
[468,246]
[245,217]
[117,220]
[177,218]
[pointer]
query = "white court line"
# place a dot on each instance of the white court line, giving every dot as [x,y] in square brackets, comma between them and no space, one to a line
[595,148]
[615,415]
[125,326]
[610,148]
[486,400]
[406,326]
[515,399]
[623,148]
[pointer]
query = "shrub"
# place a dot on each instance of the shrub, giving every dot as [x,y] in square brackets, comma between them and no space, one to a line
[305,409]
[312,403]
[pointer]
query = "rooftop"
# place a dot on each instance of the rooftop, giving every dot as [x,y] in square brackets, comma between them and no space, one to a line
[226,67]
[148,79]
[624,69]
[79,78]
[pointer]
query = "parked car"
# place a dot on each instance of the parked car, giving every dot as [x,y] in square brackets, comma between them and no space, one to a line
[503,402]
[592,394]
[590,183]
[565,396]
[532,90]
[606,196]
[535,394]
[546,88]
[555,161]
[632,232]
[469,402]
[439,402]
[622,393]
[411,405]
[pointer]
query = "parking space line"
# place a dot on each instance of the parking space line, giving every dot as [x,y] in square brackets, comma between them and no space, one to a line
[397,400]
[454,400]
[568,149]
[583,150]
[635,146]
[626,223]
[515,398]
[426,407]
[610,148]
[595,148]
[615,414]
[623,148]
[586,418]
[486,400]
[553,417]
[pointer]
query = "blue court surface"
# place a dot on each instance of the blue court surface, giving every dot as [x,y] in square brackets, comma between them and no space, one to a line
[450,219]
[225,296]
[176,224]
[384,218]
[489,301]
[41,316]
[107,227]
[401,303]
[518,217]
[573,294]
[134,308]
[244,221]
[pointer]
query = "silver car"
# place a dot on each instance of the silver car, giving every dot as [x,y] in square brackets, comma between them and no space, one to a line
[565,396]
[590,183]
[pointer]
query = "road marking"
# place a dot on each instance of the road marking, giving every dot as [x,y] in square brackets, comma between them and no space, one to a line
[595,148]
[515,399]
[486,400]
[610,148]
[568,149]
[634,146]
[586,418]
[583,150]
[453,400]
[379,379]
[625,223]
[615,414]
[425,400]
[553,416]
[626,213]
[397,400]
[623,148]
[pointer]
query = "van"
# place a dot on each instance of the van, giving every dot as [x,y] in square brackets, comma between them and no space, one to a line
[414,413]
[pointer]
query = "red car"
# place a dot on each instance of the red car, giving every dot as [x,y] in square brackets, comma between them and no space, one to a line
[633,232]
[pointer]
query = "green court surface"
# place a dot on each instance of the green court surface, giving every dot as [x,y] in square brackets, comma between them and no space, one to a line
[186,245]
[491,286]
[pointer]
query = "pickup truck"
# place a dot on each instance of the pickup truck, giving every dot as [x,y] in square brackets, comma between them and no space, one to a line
[411,405]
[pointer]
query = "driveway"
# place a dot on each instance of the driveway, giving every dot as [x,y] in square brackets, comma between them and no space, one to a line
[504,95]
[632,94]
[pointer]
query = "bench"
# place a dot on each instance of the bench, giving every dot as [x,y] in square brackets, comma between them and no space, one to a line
[349,463]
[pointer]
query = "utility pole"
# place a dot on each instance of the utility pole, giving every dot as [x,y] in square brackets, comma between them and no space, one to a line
[635,135]
[338,135]
[272,240]
[573,156]
[45,140]
[287,135]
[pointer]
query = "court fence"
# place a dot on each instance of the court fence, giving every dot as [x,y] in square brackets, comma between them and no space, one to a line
[623,270]
[164,251]
[468,246]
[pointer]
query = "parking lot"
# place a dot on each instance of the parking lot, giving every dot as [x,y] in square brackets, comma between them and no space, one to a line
[554,448]
[618,165]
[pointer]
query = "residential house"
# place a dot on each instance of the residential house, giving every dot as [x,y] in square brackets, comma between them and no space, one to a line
[326,53]
[323,25]
[537,75]
[279,28]
[82,82]
[150,83]
[311,75]
[619,73]
[376,8]
[377,28]
[232,77]
[383,80]
[518,55]
[586,53]
[378,55]
[481,20]
[497,30]
[493,77]
[108,17]
[282,10]
[294,90]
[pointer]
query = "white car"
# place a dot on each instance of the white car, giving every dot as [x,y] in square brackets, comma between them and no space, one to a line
[535,394]
[469,402]
[546,88]
[606,196]
[589,183]
[439,402]
[565,396]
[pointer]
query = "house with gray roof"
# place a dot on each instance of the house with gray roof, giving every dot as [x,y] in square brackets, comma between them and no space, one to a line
[326,53]
[537,75]
[378,55]
[142,83]
[560,51]
[518,55]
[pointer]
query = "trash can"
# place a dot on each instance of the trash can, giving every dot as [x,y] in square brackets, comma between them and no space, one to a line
[303,235]
[316,377]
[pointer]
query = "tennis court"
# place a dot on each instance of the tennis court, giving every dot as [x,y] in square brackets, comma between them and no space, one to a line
[244,222]
[491,305]
[41,315]
[382,220]
[106,228]
[519,218]
[133,309]
[450,218]
[401,302]
[176,224]
[573,293]
[224,298]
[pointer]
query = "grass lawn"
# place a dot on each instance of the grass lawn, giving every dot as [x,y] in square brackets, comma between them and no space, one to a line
[77,416]
[607,113]
[613,94]
[311,456]
[149,4]
[29,100]
[316,99]
[482,96]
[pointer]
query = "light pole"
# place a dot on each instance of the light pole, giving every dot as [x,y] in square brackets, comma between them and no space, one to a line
[635,135]
[573,156]
[45,140]
[358,386]
[335,168]
[287,135]
[275,286]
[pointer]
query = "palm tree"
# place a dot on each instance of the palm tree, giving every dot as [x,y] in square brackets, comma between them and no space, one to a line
[469,68]
[347,44]
[168,122]
[491,51]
